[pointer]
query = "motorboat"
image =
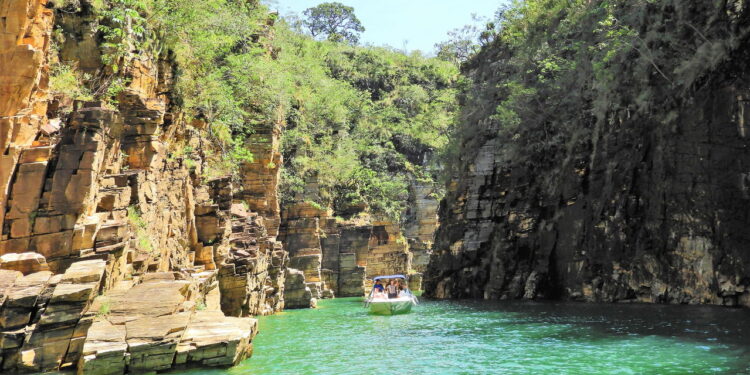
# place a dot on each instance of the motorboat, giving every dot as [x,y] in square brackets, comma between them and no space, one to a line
[380,304]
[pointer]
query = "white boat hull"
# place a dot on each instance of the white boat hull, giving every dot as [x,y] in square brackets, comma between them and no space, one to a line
[391,307]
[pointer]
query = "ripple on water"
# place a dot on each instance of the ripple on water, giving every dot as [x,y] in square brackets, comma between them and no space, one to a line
[462,337]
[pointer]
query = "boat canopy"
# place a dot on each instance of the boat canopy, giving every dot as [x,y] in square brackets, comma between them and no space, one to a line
[389,277]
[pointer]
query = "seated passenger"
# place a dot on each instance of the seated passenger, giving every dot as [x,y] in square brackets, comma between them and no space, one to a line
[378,290]
[392,289]
[403,291]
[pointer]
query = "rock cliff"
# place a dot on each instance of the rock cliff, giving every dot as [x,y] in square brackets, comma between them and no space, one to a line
[604,175]
[338,256]
[117,255]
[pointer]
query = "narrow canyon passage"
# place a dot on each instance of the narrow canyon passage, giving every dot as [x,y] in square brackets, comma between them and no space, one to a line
[469,337]
[187,184]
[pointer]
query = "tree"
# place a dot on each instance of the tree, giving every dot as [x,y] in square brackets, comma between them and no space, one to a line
[334,21]
[466,41]
[461,45]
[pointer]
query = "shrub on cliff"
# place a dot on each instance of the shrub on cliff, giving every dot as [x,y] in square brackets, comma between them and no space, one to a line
[559,71]
[360,122]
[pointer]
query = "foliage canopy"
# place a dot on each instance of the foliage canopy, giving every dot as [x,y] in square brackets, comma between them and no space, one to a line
[359,123]
[334,21]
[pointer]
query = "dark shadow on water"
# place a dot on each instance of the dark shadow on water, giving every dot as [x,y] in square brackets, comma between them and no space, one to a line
[700,323]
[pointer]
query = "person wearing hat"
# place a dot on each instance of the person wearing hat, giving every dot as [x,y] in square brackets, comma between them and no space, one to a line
[378,287]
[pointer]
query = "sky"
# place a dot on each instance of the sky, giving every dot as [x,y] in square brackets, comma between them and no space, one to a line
[418,23]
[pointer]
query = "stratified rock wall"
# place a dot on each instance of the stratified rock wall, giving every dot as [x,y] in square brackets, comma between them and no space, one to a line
[301,234]
[351,258]
[253,275]
[388,251]
[648,203]
[116,256]
[25,28]
[337,256]
[420,226]
[45,317]
[260,178]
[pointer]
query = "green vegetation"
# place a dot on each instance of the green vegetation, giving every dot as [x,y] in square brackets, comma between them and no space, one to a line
[556,74]
[140,226]
[360,122]
[104,307]
[123,26]
[466,41]
[64,79]
[208,40]
[334,21]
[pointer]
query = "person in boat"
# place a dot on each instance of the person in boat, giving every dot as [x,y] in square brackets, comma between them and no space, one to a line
[392,289]
[401,288]
[378,289]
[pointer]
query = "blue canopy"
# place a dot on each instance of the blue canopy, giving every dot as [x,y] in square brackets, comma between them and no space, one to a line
[389,277]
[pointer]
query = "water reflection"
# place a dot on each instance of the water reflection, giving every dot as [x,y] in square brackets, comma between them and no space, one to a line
[701,323]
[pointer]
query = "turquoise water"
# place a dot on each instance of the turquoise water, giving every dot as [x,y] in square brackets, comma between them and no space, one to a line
[468,337]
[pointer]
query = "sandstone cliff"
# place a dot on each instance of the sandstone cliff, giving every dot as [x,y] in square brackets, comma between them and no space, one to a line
[116,253]
[604,157]
[338,256]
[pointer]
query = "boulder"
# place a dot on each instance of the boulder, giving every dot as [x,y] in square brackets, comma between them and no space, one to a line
[25,263]
[72,293]
[58,336]
[20,300]
[212,339]
[86,271]
[152,341]
[297,295]
[149,299]
[105,351]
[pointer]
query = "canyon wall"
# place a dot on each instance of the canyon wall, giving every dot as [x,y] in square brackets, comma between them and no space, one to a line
[339,257]
[116,255]
[125,247]
[627,184]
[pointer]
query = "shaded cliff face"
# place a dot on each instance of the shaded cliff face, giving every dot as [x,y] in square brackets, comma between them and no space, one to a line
[616,175]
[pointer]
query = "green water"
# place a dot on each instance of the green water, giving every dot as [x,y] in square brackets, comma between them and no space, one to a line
[449,337]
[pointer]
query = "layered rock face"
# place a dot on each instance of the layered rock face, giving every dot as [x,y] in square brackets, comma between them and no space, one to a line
[24,40]
[419,228]
[347,258]
[252,278]
[260,178]
[650,205]
[116,256]
[168,320]
[337,256]
[301,235]
[45,317]
[388,252]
